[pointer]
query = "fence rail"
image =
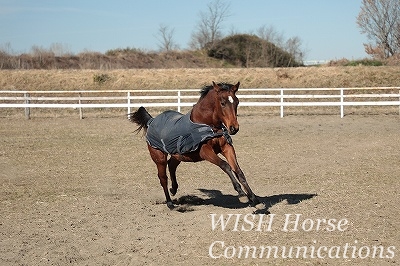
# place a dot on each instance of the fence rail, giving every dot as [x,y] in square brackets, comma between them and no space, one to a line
[272,97]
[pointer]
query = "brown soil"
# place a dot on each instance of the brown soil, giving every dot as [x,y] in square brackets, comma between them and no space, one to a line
[85,192]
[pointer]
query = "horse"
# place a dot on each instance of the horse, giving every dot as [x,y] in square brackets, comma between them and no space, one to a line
[207,129]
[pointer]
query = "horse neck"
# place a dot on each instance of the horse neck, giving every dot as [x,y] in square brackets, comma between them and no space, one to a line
[204,113]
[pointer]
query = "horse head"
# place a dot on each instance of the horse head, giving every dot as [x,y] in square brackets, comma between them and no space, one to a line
[226,104]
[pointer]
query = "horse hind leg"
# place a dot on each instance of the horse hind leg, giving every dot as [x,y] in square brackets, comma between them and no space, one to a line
[160,160]
[172,165]
[162,175]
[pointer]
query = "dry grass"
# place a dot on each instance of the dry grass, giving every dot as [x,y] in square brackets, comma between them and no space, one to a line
[185,78]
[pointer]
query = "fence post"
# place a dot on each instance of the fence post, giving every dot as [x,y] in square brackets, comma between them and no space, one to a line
[179,101]
[27,109]
[80,107]
[129,102]
[341,103]
[281,103]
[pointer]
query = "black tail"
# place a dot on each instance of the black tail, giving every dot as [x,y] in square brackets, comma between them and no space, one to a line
[140,117]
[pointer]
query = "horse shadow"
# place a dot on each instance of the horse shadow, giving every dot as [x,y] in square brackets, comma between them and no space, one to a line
[217,198]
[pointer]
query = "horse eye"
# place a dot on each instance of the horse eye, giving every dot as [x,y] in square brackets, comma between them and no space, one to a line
[223,103]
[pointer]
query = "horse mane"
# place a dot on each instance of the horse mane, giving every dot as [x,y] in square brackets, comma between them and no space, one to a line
[224,86]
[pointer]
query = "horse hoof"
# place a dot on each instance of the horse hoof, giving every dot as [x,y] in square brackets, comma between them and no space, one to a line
[170,205]
[172,191]
[243,199]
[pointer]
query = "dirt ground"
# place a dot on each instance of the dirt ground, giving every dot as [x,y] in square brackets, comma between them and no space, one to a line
[85,192]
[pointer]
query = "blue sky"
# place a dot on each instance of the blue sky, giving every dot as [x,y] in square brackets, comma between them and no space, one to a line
[327,28]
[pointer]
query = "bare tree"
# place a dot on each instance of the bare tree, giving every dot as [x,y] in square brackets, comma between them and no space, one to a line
[60,49]
[166,38]
[270,34]
[380,20]
[208,29]
[292,45]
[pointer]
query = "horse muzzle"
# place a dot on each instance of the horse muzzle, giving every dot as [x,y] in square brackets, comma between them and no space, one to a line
[233,130]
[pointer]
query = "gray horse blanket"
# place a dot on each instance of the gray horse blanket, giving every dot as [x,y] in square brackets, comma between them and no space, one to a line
[173,132]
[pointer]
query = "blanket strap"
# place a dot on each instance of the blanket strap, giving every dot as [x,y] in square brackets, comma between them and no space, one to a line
[228,137]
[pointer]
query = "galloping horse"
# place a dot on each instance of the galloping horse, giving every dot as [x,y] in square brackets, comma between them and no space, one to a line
[199,135]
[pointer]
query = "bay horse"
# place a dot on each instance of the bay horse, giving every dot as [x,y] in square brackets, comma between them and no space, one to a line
[208,128]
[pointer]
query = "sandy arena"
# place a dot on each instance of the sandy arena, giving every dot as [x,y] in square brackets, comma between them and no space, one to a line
[85,192]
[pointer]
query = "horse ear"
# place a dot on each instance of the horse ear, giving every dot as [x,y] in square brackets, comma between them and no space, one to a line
[236,87]
[216,87]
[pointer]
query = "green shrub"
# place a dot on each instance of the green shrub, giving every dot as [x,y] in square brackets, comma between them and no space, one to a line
[100,78]
[365,62]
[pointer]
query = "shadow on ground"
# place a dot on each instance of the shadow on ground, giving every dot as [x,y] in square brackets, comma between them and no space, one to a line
[217,198]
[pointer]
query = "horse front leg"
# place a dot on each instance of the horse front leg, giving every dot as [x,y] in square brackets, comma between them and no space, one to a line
[229,153]
[207,153]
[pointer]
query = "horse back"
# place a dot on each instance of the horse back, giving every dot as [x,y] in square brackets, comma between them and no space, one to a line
[173,132]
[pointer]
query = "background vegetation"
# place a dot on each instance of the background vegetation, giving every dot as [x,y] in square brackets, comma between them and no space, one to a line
[195,78]
[241,50]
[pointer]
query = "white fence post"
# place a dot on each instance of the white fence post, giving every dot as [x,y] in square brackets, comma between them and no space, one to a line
[341,103]
[179,101]
[281,103]
[27,109]
[129,102]
[80,107]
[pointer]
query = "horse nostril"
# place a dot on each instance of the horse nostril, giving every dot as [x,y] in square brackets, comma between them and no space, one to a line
[233,130]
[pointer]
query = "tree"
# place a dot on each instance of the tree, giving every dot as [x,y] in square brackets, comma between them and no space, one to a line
[208,29]
[269,34]
[59,49]
[292,45]
[380,20]
[166,38]
[247,50]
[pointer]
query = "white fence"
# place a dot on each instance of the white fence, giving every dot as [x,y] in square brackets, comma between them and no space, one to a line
[275,97]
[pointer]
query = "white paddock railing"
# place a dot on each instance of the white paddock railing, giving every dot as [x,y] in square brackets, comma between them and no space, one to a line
[276,97]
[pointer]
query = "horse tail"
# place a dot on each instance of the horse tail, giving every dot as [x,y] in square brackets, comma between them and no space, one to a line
[140,117]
